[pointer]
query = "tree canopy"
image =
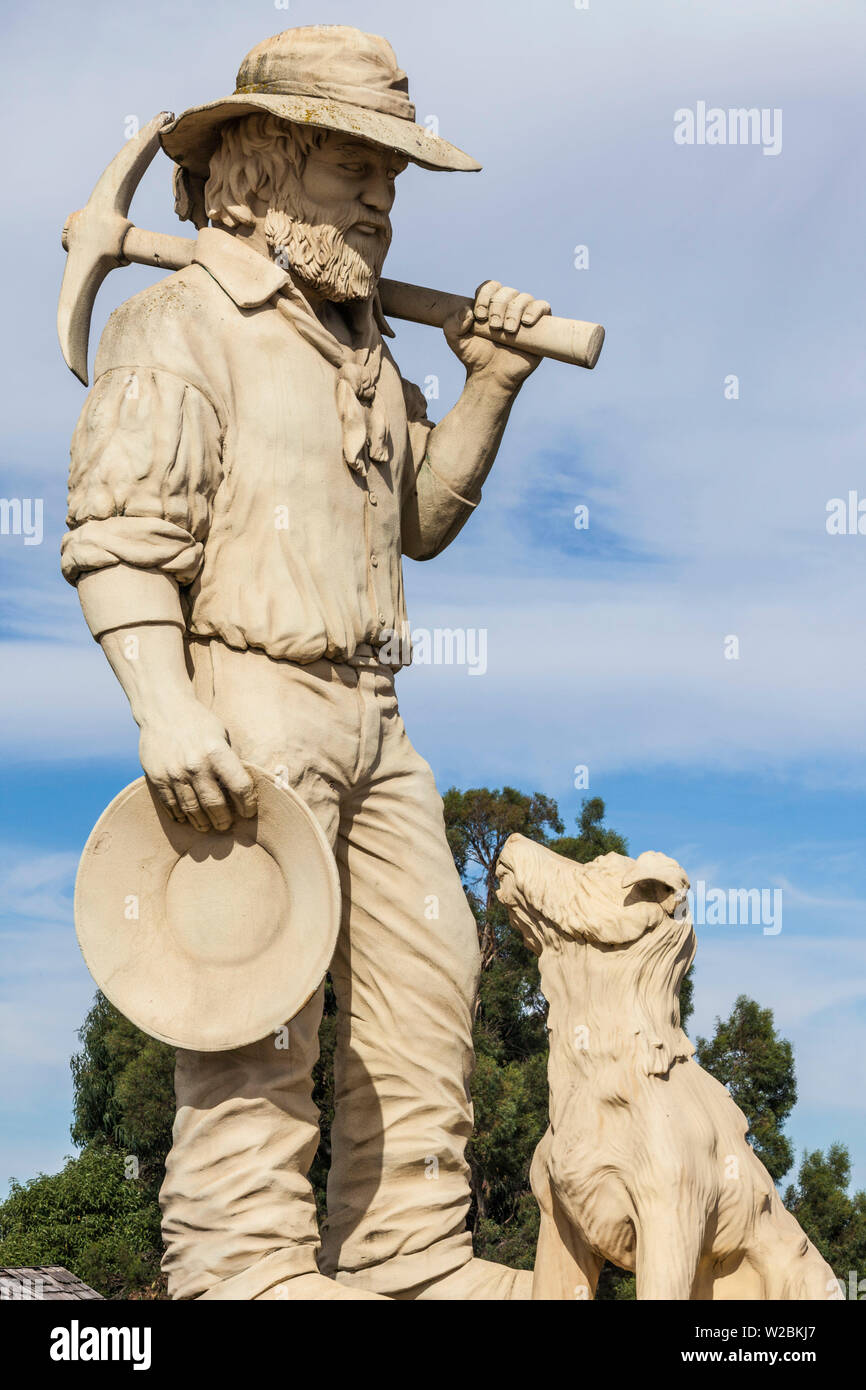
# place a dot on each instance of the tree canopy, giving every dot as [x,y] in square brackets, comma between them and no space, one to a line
[835,1221]
[757,1067]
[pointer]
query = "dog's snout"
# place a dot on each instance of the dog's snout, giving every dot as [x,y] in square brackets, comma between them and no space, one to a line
[510,852]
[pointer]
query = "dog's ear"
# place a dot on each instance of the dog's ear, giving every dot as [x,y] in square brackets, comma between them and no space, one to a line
[655,877]
[599,910]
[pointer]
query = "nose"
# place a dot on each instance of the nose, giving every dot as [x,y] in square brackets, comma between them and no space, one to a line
[378,192]
[505,862]
[513,843]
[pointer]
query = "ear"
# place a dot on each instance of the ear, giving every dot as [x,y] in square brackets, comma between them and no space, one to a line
[189,197]
[598,909]
[658,878]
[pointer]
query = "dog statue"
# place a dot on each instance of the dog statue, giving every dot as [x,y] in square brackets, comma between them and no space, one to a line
[645,1162]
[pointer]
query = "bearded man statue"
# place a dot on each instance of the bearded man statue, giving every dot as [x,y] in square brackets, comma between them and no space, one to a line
[248,471]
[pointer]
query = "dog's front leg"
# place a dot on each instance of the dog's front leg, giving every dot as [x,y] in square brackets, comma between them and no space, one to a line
[669,1240]
[565,1267]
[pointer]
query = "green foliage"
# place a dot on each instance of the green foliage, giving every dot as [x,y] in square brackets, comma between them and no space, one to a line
[100,1223]
[123,1088]
[91,1218]
[687,991]
[757,1067]
[833,1220]
[510,1100]
[615,1285]
[594,838]
[477,823]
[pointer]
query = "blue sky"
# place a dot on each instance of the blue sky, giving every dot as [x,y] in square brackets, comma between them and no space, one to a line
[707,515]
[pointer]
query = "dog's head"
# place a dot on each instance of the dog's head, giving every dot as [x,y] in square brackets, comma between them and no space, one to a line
[616,939]
[612,901]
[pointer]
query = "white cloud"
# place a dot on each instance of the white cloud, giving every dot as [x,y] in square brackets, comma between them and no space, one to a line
[633,676]
[816,987]
[35,885]
[64,703]
[45,992]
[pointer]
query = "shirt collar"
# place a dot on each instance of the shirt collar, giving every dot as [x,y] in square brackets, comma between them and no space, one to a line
[248,277]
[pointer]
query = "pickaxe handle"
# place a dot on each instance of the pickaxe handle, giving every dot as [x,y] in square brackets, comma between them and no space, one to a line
[100,236]
[567,340]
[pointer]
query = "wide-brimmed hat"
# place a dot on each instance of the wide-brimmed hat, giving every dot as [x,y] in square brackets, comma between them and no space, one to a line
[209,940]
[325,75]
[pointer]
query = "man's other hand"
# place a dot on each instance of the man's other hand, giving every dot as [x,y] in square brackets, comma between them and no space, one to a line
[194,771]
[504,308]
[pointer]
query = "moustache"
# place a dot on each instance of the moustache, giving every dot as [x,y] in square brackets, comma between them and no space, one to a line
[370,224]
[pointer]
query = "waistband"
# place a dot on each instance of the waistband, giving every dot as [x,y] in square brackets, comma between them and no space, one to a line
[365,655]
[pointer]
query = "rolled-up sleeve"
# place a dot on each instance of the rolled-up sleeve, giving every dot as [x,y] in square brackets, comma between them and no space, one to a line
[145,465]
[432,513]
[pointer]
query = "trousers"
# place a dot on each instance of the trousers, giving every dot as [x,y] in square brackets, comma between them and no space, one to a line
[238,1211]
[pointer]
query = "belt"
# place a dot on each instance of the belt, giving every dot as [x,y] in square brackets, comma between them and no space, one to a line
[365,655]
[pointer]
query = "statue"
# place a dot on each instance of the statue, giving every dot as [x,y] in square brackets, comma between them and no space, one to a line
[247,473]
[645,1162]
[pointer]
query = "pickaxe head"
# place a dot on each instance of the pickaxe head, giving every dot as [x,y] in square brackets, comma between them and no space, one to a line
[93,238]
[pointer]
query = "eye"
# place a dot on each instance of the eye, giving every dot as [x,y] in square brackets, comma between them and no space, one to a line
[353,168]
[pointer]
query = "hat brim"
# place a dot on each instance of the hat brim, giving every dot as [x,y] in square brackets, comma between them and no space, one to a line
[208,941]
[192,138]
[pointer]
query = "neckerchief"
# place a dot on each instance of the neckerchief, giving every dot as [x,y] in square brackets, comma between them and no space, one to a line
[362,415]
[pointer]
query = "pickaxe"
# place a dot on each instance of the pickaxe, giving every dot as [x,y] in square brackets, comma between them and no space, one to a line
[100,236]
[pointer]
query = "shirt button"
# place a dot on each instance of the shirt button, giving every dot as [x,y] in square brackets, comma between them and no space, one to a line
[374,561]
[381,617]
[373,499]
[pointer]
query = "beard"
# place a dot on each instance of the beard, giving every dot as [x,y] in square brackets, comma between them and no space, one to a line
[312,243]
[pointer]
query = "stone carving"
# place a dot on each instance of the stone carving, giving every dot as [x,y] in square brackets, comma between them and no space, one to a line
[645,1162]
[247,473]
[208,941]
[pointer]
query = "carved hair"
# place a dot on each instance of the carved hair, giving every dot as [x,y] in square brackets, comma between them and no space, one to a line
[590,900]
[633,915]
[251,159]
